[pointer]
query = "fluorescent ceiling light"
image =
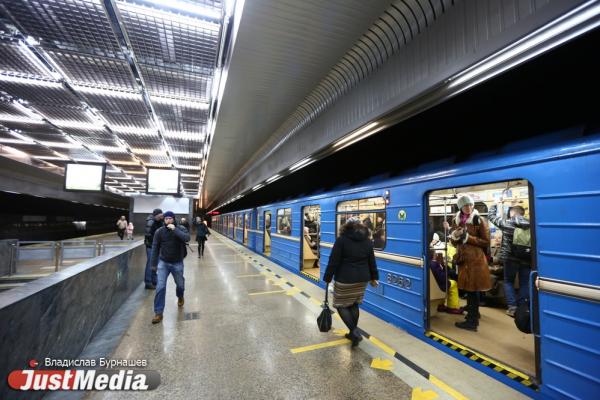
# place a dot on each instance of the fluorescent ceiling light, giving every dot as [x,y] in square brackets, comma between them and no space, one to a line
[197,137]
[187,167]
[63,158]
[30,81]
[187,181]
[185,154]
[257,187]
[359,134]
[301,164]
[273,178]
[19,119]
[76,124]
[150,152]
[26,51]
[15,141]
[62,145]
[108,92]
[190,175]
[180,102]
[109,149]
[124,162]
[21,137]
[25,110]
[157,165]
[134,130]
[135,172]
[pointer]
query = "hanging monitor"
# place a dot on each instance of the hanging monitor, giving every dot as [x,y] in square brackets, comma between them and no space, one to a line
[162,181]
[84,177]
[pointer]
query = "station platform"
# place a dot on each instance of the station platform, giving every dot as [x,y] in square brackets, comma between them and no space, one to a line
[248,330]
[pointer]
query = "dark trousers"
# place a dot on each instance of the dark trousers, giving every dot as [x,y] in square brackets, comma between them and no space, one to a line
[350,317]
[473,308]
[201,247]
[121,233]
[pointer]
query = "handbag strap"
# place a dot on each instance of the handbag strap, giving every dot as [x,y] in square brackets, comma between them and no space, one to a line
[326,294]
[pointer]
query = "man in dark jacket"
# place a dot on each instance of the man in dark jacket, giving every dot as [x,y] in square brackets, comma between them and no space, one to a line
[168,252]
[153,222]
[352,263]
[513,264]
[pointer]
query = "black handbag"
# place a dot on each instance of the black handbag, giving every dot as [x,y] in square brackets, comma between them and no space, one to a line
[324,319]
[523,317]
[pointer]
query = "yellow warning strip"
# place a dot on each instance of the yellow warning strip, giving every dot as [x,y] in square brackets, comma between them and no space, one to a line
[455,394]
[483,357]
[334,343]
[248,276]
[269,292]
[382,346]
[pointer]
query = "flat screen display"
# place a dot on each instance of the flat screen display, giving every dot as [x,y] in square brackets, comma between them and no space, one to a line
[162,181]
[85,177]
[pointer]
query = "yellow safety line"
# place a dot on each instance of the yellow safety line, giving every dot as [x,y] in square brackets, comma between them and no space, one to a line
[248,276]
[338,342]
[447,388]
[486,358]
[382,346]
[269,292]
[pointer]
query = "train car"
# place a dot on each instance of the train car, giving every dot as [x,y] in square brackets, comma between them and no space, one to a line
[557,186]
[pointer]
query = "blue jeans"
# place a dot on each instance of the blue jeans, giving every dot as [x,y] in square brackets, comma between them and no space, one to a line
[511,269]
[149,275]
[164,269]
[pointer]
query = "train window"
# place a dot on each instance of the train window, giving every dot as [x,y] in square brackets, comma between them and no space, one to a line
[240,221]
[371,211]
[284,221]
[257,220]
[489,258]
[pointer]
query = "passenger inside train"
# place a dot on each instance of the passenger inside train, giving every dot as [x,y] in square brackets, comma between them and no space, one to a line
[311,238]
[504,206]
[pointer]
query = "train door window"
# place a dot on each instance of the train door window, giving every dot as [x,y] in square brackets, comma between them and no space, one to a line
[246,223]
[481,255]
[267,234]
[371,212]
[284,221]
[311,238]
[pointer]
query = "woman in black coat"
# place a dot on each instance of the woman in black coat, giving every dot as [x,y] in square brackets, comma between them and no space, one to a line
[352,264]
[202,234]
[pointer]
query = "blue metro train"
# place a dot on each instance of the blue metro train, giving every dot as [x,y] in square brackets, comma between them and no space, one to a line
[558,186]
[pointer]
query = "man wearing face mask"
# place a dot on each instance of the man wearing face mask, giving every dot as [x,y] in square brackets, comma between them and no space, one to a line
[168,252]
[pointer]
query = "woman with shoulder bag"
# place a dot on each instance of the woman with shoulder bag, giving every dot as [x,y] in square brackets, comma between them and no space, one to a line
[352,264]
[471,236]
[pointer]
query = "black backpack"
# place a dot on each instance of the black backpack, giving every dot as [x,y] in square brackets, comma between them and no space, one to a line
[148,234]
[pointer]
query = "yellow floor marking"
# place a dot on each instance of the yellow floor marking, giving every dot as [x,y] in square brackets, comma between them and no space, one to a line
[268,292]
[248,276]
[340,332]
[382,346]
[337,316]
[420,394]
[292,291]
[382,363]
[334,343]
[315,301]
[455,394]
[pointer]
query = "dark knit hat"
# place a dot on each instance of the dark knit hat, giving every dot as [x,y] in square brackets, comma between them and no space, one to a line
[156,212]
[169,214]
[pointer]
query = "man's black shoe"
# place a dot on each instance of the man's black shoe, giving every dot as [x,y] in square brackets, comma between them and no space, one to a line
[151,287]
[466,325]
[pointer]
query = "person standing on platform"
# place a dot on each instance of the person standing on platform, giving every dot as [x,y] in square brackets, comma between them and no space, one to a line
[352,264]
[168,252]
[121,226]
[202,234]
[183,222]
[471,236]
[129,231]
[153,222]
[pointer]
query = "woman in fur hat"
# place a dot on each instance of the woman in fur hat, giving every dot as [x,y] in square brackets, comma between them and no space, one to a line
[471,236]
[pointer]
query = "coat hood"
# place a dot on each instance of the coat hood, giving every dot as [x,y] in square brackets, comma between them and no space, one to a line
[356,232]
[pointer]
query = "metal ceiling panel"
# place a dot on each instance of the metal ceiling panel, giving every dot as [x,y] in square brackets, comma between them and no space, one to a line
[132,105]
[171,40]
[15,58]
[129,121]
[66,113]
[95,70]
[67,24]
[180,112]
[40,94]
[168,82]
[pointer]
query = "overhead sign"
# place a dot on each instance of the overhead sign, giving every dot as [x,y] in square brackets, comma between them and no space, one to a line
[162,181]
[84,177]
